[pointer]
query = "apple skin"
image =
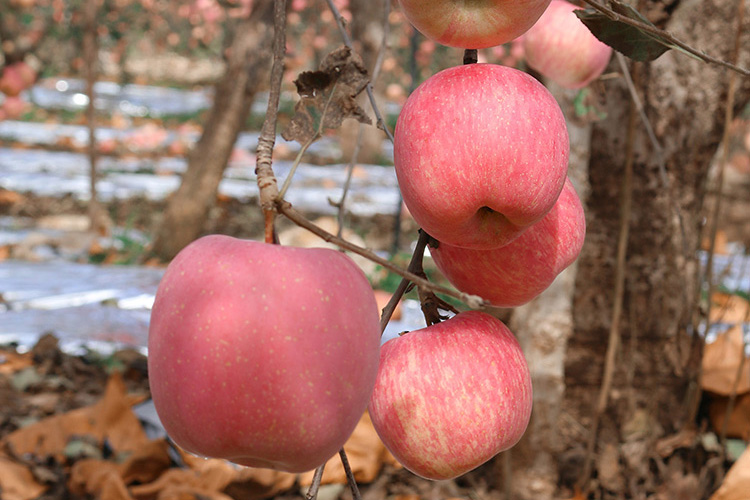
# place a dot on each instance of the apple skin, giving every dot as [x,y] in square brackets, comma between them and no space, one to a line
[262,354]
[516,273]
[475,24]
[11,81]
[451,396]
[560,47]
[481,152]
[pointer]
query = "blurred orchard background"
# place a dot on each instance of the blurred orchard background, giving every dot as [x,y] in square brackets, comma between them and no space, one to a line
[128,128]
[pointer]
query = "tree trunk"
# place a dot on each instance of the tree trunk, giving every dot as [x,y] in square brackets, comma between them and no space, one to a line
[543,327]
[248,63]
[654,390]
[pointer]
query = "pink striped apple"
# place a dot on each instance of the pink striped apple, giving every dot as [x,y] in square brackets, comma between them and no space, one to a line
[561,47]
[481,153]
[262,354]
[451,396]
[473,24]
[516,273]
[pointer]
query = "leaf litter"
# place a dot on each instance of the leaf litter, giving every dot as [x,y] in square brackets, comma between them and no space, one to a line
[71,431]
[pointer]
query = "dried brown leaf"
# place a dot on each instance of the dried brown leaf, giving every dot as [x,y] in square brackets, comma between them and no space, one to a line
[111,418]
[721,360]
[737,481]
[17,482]
[366,454]
[729,308]
[738,425]
[12,362]
[328,96]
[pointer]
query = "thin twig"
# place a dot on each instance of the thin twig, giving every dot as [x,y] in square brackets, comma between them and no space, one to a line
[403,286]
[312,492]
[613,344]
[714,227]
[285,208]
[267,185]
[666,36]
[370,94]
[349,475]
[340,205]
[303,150]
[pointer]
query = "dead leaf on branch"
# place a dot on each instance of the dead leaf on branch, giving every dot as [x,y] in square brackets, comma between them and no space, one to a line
[328,96]
[632,42]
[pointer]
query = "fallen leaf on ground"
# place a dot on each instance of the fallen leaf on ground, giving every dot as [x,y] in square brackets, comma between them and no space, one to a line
[366,453]
[736,483]
[12,362]
[17,482]
[111,418]
[727,308]
[738,425]
[721,360]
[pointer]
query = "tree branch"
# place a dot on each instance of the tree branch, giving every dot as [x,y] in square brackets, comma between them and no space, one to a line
[348,42]
[340,205]
[285,208]
[267,185]
[665,35]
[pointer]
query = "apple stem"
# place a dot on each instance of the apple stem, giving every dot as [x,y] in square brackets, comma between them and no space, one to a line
[414,263]
[312,493]
[430,303]
[349,475]
[471,56]
[267,185]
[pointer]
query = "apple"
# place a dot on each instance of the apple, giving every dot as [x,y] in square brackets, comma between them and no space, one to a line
[481,153]
[261,354]
[452,395]
[560,47]
[26,72]
[475,24]
[12,81]
[13,107]
[516,273]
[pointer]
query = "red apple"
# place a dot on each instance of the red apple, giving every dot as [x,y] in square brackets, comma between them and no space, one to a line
[481,152]
[516,273]
[26,72]
[13,107]
[560,47]
[11,81]
[451,396]
[262,354]
[475,24]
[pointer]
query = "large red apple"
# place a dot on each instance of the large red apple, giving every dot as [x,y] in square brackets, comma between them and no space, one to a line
[262,354]
[475,24]
[481,152]
[516,273]
[560,47]
[451,396]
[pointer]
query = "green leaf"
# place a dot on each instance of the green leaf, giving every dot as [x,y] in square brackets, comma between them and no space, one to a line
[629,40]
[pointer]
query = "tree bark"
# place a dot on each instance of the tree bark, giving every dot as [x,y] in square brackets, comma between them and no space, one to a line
[654,393]
[543,327]
[248,63]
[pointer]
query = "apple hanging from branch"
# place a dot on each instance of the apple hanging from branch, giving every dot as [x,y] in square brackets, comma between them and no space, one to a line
[452,395]
[475,24]
[519,271]
[262,354]
[481,153]
[560,47]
